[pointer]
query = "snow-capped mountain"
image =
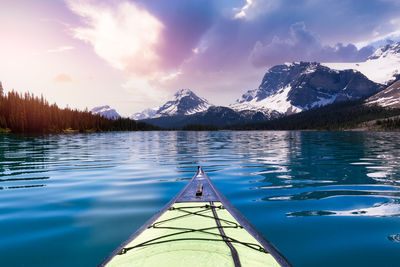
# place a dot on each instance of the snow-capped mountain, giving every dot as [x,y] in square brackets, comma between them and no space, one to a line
[185,102]
[218,116]
[291,88]
[389,97]
[106,111]
[145,114]
[381,67]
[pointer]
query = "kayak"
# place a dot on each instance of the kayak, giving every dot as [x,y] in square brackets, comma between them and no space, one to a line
[198,227]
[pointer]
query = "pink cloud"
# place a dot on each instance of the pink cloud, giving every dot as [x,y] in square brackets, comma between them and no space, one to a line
[62,78]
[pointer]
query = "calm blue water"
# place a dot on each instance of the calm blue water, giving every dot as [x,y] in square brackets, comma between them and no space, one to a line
[323,198]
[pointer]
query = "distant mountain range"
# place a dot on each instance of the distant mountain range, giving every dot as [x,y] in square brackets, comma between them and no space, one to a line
[213,116]
[145,114]
[287,89]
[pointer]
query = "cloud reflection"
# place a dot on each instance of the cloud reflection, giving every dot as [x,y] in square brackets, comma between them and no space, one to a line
[388,209]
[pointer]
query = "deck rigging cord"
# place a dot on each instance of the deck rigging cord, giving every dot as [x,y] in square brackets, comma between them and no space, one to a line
[183,230]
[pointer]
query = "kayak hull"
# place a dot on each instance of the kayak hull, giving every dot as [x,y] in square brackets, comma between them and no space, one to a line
[197,229]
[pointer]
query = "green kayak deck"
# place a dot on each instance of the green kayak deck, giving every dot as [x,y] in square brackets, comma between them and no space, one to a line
[199,227]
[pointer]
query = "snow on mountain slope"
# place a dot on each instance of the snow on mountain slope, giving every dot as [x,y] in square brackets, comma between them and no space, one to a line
[291,88]
[275,102]
[147,113]
[381,67]
[185,102]
[389,97]
[105,111]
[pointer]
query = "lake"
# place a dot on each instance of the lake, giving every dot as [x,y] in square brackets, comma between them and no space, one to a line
[322,198]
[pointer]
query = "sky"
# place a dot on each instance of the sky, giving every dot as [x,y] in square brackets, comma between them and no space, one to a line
[134,55]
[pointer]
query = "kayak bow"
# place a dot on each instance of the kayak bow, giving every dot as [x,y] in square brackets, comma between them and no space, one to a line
[198,227]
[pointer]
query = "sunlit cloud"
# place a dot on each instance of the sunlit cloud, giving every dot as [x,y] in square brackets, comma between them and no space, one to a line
[242,12]
[383,34]
[254,8]
[62,78]
[380,39]
[125,35]
[60,49]
[171,76]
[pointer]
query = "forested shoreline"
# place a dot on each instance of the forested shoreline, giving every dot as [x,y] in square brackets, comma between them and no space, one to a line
[340,116]
[344,115]
[389,124]
[26,113]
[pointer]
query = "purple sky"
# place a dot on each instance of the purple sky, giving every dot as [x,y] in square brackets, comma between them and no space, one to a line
[136,54]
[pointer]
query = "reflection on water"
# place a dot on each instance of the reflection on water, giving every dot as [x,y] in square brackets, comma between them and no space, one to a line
[388,209]
[88,192]
[310,166]
[394,238]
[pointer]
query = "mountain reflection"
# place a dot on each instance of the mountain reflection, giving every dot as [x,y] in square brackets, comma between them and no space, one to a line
[30,161]
[351,168]
[316,173]
[23,160]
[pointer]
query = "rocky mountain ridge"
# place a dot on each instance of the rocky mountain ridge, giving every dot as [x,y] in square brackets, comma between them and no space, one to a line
[294,87]
[184,102]
[106,111]
[388,98]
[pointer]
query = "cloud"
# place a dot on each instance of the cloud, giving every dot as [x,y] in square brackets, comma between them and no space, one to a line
[242,12]
[165,45]
[125,35]
[62,78]
[255,8]
[60,49]
[384,34]
[304,45]
[186,23]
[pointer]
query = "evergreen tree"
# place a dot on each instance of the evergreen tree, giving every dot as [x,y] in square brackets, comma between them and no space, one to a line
[25,113]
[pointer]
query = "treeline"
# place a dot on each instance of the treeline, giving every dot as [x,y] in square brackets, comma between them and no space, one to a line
[199,127]
[337,116]
[26,113]
[389,124]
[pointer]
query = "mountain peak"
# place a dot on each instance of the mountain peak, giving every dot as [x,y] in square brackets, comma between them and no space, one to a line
[184,102]
[182,93]
[99,108]
[384,51]
[145,114]
[105,111]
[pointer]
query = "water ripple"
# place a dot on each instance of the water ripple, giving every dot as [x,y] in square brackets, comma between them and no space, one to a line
[88,192]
